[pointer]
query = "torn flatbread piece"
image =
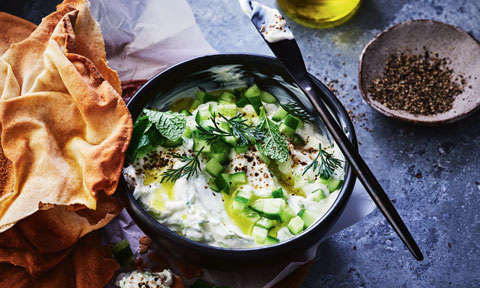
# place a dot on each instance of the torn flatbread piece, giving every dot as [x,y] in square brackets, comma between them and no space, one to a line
[65,128]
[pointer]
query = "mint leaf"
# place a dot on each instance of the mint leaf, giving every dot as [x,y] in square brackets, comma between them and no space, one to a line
[273,144]
[171,125]
[138,136]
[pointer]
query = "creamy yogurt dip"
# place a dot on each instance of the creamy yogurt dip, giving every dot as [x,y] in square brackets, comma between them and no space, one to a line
[274,26]
[145,279]
[274,201]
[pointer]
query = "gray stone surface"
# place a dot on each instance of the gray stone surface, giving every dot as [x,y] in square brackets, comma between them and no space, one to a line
[430,172]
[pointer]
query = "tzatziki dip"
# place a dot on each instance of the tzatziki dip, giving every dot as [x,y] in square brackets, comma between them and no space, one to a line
[233,168]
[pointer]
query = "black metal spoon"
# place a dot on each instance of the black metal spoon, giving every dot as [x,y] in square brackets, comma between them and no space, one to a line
[289,55]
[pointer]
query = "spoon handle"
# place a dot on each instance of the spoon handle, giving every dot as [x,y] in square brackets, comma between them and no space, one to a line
[289,54]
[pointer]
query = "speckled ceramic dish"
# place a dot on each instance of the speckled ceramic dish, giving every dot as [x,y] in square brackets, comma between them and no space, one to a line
[411,37]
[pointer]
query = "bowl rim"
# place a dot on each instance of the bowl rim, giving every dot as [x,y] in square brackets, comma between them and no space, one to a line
[332,213]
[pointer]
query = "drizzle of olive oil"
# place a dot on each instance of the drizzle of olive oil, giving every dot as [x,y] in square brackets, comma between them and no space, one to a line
[165,190]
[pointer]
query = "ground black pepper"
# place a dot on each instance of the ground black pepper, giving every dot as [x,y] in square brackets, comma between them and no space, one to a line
[417,83]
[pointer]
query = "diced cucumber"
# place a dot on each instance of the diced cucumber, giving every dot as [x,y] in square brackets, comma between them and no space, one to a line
[169,143]
[318,195]
[323,180]
[285,168]
[284,234]
[227,109]
[242,102]
[123,253]
[280,114]
[222,158]
[266,223]
[204,97]
[286,214]
[212,185]
[252,91]
[227,97]
[185,112]
[264,158]
[251,216]
[293,122]
[298,141]
[198,144]
[239,178]
[195,104]
[270,208]
[253,94]
[296,225]
[287,131]
[271,240]
[278,193]
[223,182]
[308,218]
[240,202]
[241,149]
[202,115]
[214,167]
[259,234]
[267,97]
[230,140]
[188,131]
[256,103]
[238,92]
[220,151]
[334,184]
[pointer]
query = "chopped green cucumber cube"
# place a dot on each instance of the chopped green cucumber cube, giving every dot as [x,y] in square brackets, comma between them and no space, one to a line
[227,109]
[239,178]
[280,114]
[334,184]
[259,234]
[202,115]
[241,149]
[266,223]
[298,141]
[286,214]
[204,97]
[223,182]
[295,225]
[267,97]
[252,91]
[246,195]
[185,112]
[231,140]
[238,92]
[287,131]
[242,102]
[256,103]
[240,203]
[227,97]
[251,216]
[270,208]
[293,122]
[212,185]
[308,218]
[264,158]
[318,195]
[271,240]
[199,144]
[169,143]
[123,253]
[214,167]
[278,193]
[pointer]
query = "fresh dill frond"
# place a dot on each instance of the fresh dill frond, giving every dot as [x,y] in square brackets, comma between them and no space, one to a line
[327,165]
[296,110]
[237,127]
[189,169]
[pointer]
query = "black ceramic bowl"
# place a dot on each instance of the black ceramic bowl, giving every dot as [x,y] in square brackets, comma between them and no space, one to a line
[230,70]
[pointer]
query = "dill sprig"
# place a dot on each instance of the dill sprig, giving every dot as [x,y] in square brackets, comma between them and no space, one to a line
[326,167]
[296,110]
[189,169]
[246,133]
